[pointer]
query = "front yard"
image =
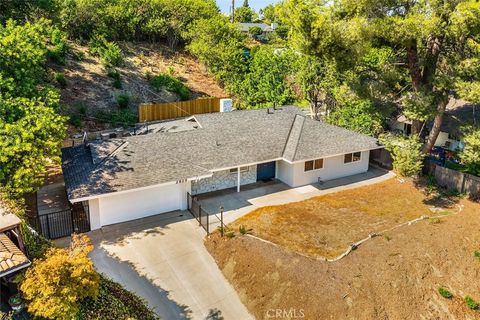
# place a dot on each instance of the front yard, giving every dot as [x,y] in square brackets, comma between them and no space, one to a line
[325,226]
[396,276]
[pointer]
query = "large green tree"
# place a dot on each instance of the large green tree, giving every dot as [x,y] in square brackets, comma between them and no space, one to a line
[266,80]
[430,48]
[31,130]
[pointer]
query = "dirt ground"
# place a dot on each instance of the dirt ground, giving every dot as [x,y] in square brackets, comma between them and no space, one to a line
[385,278]
[89,87]
[325,226]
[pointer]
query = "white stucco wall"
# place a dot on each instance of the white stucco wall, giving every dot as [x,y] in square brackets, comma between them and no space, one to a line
[333,168]
[443,138]
[137,204]
[223,180]
[285,172]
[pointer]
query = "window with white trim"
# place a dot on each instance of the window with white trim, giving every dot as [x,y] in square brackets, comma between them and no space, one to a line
[242,169]
[313,165]
[352,157]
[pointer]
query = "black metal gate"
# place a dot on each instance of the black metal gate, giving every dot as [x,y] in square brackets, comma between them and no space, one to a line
[196,210]
[63,223]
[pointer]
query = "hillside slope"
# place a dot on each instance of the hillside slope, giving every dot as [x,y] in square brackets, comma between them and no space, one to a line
[90,90]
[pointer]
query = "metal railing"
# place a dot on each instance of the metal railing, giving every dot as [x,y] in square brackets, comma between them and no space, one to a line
[63,223]
[198,213]
[204,218]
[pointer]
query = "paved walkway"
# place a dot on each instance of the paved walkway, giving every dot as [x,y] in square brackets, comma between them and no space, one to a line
[163,259]
[237,204]
[52,198]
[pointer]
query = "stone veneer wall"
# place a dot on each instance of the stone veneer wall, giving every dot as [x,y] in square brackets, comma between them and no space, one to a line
[224,180]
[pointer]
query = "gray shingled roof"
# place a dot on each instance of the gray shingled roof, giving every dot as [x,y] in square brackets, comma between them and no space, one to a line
[459,113]
[245,26]
[223,140]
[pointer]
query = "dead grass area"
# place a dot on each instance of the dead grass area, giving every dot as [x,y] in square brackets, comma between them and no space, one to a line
[386,278]
[325,226]
[89,87]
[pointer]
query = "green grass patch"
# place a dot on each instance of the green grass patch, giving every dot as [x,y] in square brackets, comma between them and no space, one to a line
[445,293]
[471,303]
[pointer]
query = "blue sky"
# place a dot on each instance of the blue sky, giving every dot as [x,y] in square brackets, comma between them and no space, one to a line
[255,4]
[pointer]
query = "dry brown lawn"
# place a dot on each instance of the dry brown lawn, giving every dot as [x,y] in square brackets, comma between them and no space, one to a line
[325,226]
[385,278]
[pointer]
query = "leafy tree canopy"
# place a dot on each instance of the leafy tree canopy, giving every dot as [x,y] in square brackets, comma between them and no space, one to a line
[54,286]
[31,130]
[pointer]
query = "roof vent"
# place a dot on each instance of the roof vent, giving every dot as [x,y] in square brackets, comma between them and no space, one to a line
[269,111]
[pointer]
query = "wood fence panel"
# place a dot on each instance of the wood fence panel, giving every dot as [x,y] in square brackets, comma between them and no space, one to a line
[472,186]
[172,110]
[455,180]
[382,158]
[448,178]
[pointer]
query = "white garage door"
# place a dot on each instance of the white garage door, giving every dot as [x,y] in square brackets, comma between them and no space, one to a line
[139,204]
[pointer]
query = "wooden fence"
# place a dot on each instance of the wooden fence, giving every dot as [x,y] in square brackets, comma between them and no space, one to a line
[454,180]
[171,110]
[382,158]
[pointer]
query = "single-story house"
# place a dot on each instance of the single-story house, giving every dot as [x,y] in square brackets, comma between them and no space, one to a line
[457,114]
[134,177]
[266,28]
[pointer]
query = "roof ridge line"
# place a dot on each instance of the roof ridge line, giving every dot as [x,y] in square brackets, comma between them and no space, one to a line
[290,133]
[113,153]
[299,135]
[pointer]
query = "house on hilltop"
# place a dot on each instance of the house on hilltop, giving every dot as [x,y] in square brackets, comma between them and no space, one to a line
[138,176]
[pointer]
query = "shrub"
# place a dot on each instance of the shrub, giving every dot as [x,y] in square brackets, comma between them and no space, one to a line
[445,293]
[115,75]
[59,47]
[243,230]
[60,79]
[117,84]
[109,52]
[470,155]
[170,83]
[112,55]
[67,276]
[123,101]
[114,302]
[406,153]
[476,254]
[76,120]
[472,304]
[82,109]
[124,117]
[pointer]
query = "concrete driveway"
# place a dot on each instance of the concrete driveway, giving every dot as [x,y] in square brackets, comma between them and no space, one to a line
[163,260]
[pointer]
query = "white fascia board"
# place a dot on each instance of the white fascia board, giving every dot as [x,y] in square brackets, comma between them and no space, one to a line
[246,164]
[335,155]
[138,189]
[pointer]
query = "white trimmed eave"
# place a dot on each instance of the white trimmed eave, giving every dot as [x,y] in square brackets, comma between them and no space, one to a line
[139,189]
[211,174]
[335,155]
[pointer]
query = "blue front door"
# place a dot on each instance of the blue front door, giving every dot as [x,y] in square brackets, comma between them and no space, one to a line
[266,171]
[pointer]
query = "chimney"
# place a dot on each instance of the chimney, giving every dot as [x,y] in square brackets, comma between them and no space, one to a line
[226,105]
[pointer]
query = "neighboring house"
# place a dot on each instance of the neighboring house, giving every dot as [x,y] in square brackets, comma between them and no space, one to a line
[134,177]
[12,250]
[266,28]
[457,114]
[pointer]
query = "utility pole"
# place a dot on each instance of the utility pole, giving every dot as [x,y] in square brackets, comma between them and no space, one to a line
[233,11]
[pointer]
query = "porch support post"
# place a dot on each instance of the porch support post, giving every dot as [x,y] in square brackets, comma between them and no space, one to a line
[238,179]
